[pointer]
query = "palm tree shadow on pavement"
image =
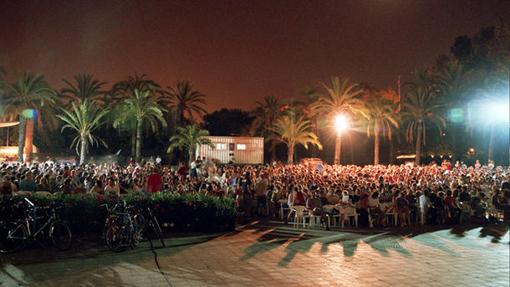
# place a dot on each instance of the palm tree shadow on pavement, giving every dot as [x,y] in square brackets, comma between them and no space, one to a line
[301,241]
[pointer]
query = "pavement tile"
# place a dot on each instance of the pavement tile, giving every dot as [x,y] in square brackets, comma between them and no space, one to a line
[319,258]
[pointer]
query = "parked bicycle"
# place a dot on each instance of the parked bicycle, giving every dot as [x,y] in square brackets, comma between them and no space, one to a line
[119,230]
[146,223]
[38,224]
[126,226]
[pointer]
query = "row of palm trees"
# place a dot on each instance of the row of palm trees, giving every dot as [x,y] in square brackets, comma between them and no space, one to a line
[378,113]
[422,107]
[138,104]
[84,105]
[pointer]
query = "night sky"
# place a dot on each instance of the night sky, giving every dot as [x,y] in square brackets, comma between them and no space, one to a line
[236,52]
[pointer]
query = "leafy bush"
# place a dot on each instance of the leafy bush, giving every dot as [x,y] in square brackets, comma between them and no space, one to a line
[175,212]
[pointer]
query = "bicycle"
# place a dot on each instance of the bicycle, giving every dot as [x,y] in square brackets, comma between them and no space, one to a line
[119,228]
[143,217]
[16,234]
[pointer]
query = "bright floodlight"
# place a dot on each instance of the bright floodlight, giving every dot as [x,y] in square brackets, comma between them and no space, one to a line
[341,123]
[490,111]
[497,112]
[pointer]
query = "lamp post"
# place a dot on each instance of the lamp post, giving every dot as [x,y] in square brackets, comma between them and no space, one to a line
[341,125]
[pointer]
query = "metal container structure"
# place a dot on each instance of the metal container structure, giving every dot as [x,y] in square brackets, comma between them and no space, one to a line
[238,150]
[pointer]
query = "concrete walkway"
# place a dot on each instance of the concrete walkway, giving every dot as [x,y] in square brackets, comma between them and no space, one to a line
[262,255]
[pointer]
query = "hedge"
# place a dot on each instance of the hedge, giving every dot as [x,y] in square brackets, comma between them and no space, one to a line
[175,212]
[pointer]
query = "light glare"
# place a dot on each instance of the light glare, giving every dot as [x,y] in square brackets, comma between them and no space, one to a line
[490,111]
[341,123]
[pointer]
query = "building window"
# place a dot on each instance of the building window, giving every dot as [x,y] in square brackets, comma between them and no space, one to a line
[220,146]
[241,147]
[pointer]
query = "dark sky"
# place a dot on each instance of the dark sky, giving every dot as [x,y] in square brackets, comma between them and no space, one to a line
[236,52]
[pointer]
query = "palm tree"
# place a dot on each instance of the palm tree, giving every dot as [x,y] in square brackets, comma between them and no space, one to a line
[341,97]
[453,81]
[125,89]
[139,109]
[85,87]
[2,80]
[292,132]
[265,114]
[188,138]
[27,98]
[3,85]
[138,82]
[424,77]
[419,109]
[382,118]
[185,102]
[3,88]
[84,119]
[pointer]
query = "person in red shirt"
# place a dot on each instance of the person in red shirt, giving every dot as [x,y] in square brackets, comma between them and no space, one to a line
[154,181]
[182,171]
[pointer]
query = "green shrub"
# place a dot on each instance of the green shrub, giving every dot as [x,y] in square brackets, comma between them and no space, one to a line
[175,212]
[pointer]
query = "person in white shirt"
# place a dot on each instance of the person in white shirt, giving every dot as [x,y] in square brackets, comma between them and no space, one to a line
[374,209]
[424,204]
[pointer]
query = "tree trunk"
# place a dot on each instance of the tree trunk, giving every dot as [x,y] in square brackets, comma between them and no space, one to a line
[83,149]
[392,151]
[418,145]
[29,139]
[21,137]
[290,154]
[490,152]
[191,154]
[315,129]
[181,118]
[138,152]
[376,145]
[351,149]
[133,143]
[338,148]
[273,151]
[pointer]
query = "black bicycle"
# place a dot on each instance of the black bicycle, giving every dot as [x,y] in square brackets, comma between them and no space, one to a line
[145,223]
[127,225]
[39,224]
[119,230]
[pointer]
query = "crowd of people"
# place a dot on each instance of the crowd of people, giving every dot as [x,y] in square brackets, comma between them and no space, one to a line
[435,194]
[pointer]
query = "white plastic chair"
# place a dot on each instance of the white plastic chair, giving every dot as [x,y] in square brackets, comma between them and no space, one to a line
[314,220]
[371,219]
[348,213]
[395,216]
[332,217]
[300,215]
[283,209]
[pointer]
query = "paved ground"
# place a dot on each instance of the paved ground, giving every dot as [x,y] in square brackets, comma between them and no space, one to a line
[267,255]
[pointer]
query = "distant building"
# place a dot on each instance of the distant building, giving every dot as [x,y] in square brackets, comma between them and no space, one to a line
[238,150]
[9,152]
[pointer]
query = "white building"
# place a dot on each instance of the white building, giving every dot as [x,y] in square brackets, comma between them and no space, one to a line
[239,150]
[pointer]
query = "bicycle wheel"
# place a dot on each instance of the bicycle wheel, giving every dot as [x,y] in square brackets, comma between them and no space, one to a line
[60,235]
[12,237]
[138,228]
[117,238]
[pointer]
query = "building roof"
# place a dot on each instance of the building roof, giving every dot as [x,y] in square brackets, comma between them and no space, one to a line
[8,124]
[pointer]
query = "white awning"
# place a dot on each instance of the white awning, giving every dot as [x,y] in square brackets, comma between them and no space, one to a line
[8,124]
